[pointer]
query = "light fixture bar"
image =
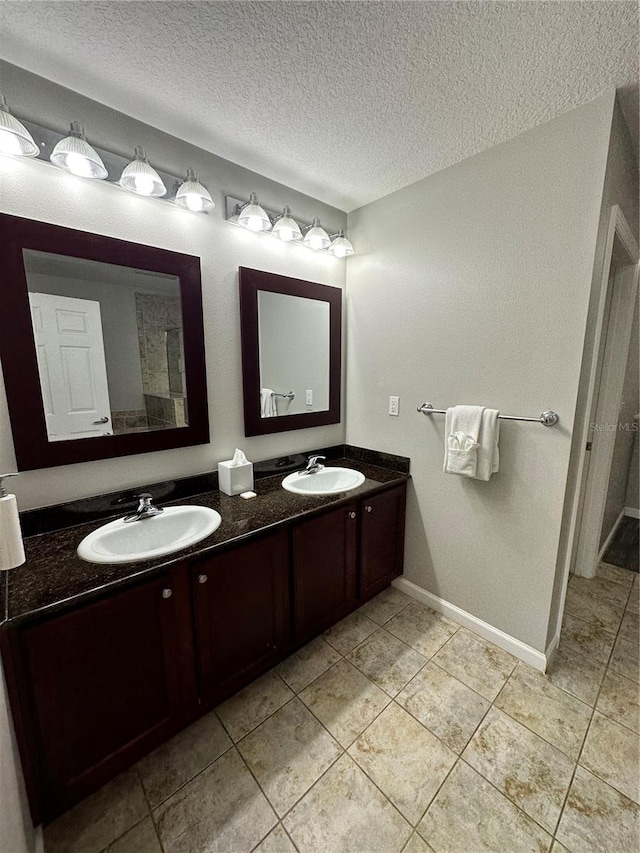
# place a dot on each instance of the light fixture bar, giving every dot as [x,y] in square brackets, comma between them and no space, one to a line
[233,206]
[47,139]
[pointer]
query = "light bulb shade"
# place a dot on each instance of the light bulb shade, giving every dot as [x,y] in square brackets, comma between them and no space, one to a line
[316,237]
[192,195]
[14,137]
[253,216]
[340,246]
[286,228]
[75,155]
[141,178]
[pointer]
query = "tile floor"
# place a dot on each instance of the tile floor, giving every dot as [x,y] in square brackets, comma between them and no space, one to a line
[399,730]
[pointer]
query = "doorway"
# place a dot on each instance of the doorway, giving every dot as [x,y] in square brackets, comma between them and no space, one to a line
[606,384]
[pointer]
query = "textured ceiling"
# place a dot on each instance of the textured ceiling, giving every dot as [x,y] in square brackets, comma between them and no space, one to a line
[345,101]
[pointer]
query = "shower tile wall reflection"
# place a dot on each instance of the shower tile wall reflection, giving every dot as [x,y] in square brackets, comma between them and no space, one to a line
[159,323]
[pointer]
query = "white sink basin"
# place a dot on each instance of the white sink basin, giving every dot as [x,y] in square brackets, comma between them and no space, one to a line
[175,528]
[327,481]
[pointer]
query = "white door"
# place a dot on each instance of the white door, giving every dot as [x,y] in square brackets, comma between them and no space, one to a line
[71,363]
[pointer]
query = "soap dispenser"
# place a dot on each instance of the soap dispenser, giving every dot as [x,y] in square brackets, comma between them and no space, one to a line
[11,547]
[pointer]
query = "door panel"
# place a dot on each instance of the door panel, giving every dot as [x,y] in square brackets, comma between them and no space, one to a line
[324,566]
[71,365]
[242,614]
[107,684]
[381,540]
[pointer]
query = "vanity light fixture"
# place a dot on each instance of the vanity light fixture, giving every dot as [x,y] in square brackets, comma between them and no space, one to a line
[14,137]
[71,152]
[285,227]
[316,237]
[141,178]
[192,195]
[253,216]
[75,155]
[340,246]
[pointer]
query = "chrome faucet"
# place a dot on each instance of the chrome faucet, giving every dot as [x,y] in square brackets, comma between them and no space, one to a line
[313,465]
[146,509]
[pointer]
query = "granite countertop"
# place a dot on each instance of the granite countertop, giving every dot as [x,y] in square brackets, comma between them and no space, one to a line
[54,578]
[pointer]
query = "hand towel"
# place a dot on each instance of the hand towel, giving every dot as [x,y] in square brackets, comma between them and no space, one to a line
[267,403]
[488,453]
[471,442]
[462,429]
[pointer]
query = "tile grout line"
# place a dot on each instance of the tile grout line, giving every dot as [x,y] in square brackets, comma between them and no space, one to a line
[151,816]
[460,758]
[537,734]
[586,735]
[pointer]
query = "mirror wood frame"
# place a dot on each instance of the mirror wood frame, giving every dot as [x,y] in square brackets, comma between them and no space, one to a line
[251,281]
[18,351]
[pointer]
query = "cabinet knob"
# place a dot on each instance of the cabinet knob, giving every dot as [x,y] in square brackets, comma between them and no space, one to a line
[167,593]
[368,508]
[352,515]
[202,578]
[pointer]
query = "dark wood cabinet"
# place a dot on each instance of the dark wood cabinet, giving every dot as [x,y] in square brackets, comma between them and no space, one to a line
[381,540]
[107,683]
[344,557]
[324,570]
[95,688]
[241,600]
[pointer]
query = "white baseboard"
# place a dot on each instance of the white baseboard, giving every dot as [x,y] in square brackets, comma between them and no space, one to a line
[552,648]
[39,840]
[632,513]
[538,660]
[612,533]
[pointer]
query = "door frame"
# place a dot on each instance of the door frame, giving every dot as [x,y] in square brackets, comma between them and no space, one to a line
[604,395]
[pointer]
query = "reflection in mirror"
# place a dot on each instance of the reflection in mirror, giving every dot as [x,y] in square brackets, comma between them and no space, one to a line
[293,335]
[291,352]
[109,346]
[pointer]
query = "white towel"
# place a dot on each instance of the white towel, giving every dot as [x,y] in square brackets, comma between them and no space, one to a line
[471,442]
[488,453]
[267,404]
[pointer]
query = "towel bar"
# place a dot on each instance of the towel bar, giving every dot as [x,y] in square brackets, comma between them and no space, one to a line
[288,396]
[546,418]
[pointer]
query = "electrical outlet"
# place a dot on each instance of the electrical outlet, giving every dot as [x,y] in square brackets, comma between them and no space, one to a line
[309,398]
[394,406]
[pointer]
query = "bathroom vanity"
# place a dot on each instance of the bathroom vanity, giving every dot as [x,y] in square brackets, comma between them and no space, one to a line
[106,662]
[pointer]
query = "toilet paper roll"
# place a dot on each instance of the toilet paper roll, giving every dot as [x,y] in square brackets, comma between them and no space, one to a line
[11,547]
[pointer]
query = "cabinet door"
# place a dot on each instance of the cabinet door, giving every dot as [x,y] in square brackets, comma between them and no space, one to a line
[381,540]
[324,570]
[242,614]
[108,682]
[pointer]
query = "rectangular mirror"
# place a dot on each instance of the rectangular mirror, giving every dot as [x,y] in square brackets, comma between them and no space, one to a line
[291,332]
[102,345]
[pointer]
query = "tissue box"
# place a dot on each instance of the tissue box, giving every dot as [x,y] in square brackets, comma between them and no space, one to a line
[233,479]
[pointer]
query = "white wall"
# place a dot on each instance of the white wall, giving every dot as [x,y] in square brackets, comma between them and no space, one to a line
[36,190]
[472,286]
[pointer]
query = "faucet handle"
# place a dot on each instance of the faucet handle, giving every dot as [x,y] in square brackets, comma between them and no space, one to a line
[145,500]
[313,460]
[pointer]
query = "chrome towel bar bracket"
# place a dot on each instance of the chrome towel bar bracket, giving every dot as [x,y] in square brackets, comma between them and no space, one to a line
[547,419]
